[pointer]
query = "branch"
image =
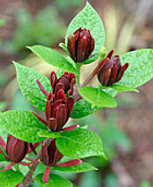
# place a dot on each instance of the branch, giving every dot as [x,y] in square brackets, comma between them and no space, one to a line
[89,78]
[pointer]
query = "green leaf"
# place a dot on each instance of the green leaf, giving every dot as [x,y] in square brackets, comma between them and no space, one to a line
[97,97]
[89,19]
[79,143]
[121,88]
[52,57]
[48,134]
[83,167]
[54,181]
[83,108]
[10,178]
[140,68]
[29,88]
[22,124]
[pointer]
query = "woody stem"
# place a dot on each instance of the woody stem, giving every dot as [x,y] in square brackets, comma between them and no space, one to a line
[28,179]
[89,78]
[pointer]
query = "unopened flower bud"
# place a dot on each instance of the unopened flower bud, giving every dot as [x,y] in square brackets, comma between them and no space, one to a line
[16,149]
[80,45]
[110,70]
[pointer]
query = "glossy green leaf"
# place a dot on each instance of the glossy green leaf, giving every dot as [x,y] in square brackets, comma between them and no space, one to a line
[54,181]
[52,57]
[89,19]
[83,108]
[83,167]
[29,88]
[10,178]
[140,68]
[22,124]
[97,97]
[48,134]
[121,88]
[79,143]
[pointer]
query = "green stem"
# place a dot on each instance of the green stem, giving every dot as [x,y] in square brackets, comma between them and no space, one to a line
[77,75]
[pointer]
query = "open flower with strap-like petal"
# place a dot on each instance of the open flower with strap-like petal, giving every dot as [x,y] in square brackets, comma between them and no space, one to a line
[59,103]
[50,156]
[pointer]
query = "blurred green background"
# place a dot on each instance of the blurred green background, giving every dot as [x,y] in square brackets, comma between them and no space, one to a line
[127,130]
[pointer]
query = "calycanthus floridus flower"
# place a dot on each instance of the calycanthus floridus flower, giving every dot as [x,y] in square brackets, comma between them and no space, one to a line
[59,103]
[110,70]
[16,151]
[80,45]
[50,156]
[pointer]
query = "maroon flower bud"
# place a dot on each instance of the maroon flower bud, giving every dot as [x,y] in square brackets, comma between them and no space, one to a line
[110,70]
[65,82]
[80,45]
[50,155]
[16,149]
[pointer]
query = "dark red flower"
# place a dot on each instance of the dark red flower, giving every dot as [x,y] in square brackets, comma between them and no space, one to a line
[80,45]
[60,103]
[58,110]
[110,70]
[50,156]
[16,149]
[66,82]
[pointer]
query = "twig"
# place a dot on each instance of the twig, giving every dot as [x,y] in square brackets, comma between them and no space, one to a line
[89,78]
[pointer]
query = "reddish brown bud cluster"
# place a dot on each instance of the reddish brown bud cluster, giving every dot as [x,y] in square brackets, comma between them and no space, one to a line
[110,70]
[80,45]
[16,149]
[58,107]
